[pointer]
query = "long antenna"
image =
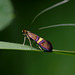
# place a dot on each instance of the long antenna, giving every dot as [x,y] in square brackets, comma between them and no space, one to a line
[57,25]
[49,8]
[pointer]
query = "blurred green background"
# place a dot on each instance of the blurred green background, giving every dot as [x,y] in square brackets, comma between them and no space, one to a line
[62,38]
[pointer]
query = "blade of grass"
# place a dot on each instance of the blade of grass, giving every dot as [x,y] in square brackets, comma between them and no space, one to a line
[64,52]
[15,46]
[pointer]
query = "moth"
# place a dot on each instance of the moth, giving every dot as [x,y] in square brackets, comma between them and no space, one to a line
[43,44]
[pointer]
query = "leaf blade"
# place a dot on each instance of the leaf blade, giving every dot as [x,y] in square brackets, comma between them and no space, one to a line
[15,46]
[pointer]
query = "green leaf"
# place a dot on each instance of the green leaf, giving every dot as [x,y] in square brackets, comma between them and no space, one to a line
[6,13]
[15,46]
[64,52]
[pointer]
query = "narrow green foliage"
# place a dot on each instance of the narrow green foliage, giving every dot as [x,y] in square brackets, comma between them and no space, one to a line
[64,52]
[15,46]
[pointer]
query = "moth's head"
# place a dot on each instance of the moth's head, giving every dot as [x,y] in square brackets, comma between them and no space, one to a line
[24,31]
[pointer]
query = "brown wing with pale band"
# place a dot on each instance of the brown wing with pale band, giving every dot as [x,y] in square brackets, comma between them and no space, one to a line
[46,45]
[32,35]
[43,43]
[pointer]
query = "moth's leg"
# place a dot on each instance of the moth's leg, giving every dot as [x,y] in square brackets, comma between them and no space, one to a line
[40,47]
[24,40]
[29,41]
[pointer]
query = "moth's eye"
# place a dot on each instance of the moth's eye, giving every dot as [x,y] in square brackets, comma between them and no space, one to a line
[24,32]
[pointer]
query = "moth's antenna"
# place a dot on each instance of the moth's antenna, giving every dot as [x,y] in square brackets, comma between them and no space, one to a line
[57,25]
[49,8]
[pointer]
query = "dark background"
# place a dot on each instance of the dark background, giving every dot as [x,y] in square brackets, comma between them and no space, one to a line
[62,38]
